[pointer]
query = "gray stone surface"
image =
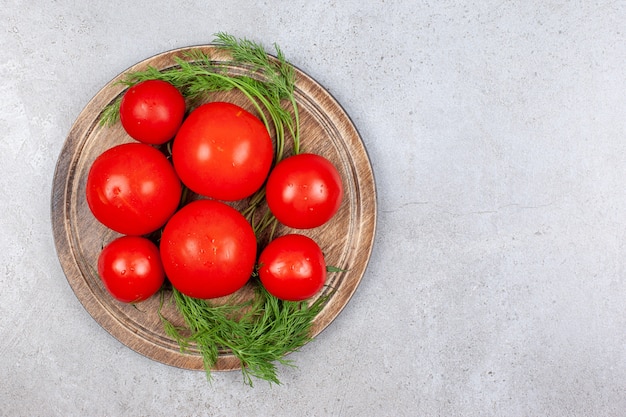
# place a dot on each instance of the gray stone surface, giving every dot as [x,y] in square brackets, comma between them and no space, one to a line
[497,134]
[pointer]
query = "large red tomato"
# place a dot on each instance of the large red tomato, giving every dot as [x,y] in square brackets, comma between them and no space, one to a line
[208,249]
[130,268]
[222,151]
[132,189]
[304,191]
[152,111]
[292,267]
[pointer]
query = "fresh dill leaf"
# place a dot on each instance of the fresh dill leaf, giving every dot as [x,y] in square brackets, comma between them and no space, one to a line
[260,337]
[280,75]
[330,268]
[111,113]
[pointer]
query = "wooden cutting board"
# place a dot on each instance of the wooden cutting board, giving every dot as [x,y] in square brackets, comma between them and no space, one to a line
[346,240]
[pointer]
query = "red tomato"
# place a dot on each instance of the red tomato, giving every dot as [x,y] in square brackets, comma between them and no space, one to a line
[152,111]
[132,189]
[292,267]
[304,191]
[222,151]
[208,249]
[130,268]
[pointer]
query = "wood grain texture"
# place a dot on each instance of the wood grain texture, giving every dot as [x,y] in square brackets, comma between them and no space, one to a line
[346,240]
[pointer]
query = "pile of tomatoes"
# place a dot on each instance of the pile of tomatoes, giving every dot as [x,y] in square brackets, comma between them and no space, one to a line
[205,247]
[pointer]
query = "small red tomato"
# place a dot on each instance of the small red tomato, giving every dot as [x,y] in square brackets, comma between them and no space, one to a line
[208,249]
[222,151]
[130,268]
[152,111]
[292,267]
[304,191]
[132,188]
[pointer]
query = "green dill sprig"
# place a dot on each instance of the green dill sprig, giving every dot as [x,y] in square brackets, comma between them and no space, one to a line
[258,332]
[280,75]
[195,74]
[111,114]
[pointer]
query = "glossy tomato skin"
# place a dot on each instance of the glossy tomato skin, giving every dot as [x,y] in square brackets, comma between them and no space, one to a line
[222,151]
[132,189]
[130,268]
[304,191]
[292,267]
[208,249]
[152,111]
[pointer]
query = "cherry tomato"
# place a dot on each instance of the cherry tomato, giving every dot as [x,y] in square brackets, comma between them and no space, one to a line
[292,267]
[152,111]
[130,268]
[222,151]
[304,191]
[208,249]
[132,189]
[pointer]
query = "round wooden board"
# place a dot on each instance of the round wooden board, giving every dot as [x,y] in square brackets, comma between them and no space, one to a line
[346,240]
